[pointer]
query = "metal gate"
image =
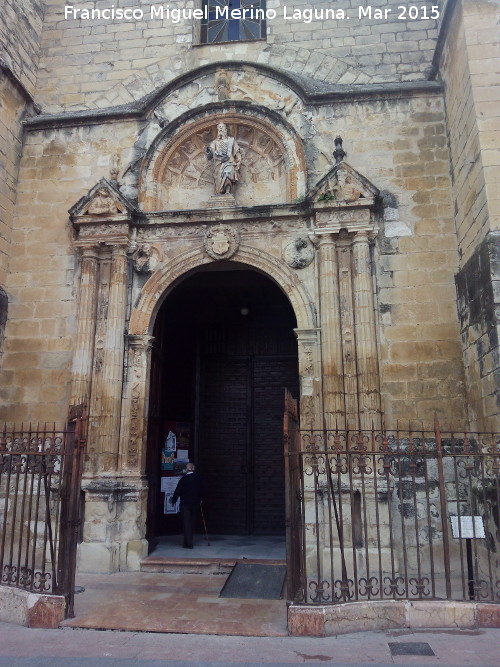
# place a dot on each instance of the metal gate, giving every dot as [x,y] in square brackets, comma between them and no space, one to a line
[394,515]
[40,478]
[294,520]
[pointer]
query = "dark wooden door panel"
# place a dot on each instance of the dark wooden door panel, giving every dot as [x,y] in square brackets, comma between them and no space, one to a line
[223,442]
[270,378]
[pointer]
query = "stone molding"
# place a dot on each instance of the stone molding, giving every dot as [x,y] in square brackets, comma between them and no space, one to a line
[143,108]
[160,283]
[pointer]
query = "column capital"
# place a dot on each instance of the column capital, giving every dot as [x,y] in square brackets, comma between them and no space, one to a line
[119,248]
[307,335]
[140,342]
[361,237]
[88,249]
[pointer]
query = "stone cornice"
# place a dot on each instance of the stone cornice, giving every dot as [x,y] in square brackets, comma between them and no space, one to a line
[313,93]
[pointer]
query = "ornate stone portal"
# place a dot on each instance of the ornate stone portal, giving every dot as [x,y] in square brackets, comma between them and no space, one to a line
[119,247]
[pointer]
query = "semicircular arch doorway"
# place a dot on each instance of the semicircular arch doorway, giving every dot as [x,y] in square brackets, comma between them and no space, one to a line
[224,351]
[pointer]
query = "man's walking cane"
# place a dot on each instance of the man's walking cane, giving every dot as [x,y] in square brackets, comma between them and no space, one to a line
[204,524]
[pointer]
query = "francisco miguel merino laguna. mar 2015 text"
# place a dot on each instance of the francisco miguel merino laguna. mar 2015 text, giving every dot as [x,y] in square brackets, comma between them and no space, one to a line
[404,12]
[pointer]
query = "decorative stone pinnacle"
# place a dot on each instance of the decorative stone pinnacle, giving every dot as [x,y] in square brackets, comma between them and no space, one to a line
[339,153]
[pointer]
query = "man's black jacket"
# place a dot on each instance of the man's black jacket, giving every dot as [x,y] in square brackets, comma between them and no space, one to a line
[189,489]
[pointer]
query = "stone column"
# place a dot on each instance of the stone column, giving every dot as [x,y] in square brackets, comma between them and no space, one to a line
[347,317]
[365,330]
[333,386]
[135,405]
[113,358]
[311,408]
[109,356]
[86,324]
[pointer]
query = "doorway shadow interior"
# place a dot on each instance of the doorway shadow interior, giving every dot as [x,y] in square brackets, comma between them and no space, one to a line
[224,351]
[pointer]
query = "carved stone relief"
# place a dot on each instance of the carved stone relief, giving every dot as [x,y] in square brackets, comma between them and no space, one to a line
[183,177]
[221,241]
[145,256]
[299,253]
[103,204]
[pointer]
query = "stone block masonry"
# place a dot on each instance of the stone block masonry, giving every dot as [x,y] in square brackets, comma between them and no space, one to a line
[100,63]
[20,32]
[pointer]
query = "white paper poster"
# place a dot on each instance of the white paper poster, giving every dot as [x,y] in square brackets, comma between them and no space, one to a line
[168,485]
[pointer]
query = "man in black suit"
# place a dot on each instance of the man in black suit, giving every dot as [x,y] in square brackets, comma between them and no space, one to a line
[190,490]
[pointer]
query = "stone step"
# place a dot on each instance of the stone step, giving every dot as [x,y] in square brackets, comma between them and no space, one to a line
[188,565]
[198,565]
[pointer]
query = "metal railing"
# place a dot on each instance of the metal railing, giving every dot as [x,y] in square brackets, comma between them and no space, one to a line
[397,515]
[40,473]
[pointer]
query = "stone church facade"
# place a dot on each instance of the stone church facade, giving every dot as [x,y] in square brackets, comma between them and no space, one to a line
[364,175]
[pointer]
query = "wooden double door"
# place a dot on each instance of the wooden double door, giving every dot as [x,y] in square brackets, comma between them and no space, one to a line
[240,428]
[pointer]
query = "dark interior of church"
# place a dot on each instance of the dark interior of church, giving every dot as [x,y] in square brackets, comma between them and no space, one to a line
[224,351]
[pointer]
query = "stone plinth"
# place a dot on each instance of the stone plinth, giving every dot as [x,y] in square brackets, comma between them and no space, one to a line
[330,620]
[32,610]
[221,201]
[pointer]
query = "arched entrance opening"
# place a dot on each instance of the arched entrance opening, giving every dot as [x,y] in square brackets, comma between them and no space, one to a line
[224,351]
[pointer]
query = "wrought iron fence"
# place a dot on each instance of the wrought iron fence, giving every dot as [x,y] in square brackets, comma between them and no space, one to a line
[40,473]
[398,516]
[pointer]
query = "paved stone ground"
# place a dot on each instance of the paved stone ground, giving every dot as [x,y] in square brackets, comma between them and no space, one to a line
[185,603]
[23,647]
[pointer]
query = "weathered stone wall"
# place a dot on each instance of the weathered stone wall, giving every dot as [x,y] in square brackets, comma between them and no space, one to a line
[100,63]
[20,31]
[470,68]
[57,168]
[420,358]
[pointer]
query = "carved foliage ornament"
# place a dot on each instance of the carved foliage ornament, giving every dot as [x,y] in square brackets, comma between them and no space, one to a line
[221,241]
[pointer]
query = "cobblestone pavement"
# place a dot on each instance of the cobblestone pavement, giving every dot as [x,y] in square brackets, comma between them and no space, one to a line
[23,647]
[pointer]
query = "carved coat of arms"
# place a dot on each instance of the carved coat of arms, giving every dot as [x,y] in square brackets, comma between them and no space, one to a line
[221,241]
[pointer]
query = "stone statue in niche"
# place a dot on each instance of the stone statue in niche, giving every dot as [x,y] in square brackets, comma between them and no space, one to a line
[225,156]
[103,204]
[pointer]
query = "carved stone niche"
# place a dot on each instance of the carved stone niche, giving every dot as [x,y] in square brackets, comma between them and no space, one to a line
[102,214]
[344,199]
[181,176]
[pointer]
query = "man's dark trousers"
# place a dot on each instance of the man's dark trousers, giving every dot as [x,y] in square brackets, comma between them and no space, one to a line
[188,514]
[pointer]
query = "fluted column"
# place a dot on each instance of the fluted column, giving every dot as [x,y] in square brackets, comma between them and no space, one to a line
[365,330]
[333,388]
[105,411]
[86,323]
[348,337]
[135,405]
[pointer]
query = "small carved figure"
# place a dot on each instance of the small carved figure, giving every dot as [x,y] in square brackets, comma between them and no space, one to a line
[225,155]
[103,204]
[346,190]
